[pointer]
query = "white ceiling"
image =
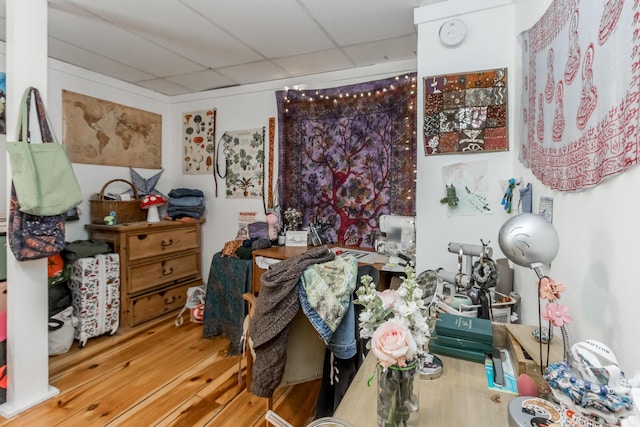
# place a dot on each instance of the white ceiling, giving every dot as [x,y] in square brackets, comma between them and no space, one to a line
[184,46]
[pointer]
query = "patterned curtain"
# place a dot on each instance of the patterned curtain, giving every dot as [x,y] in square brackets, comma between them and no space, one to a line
[581,75]
[348,155]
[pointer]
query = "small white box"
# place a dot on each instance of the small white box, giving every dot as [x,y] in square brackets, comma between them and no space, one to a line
[296,238]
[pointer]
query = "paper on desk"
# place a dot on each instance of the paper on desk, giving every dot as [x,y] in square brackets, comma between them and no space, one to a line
[264,262]
[365,257]
[510,383]
[394,267]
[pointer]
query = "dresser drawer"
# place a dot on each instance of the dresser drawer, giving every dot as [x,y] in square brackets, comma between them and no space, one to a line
[154,304]
[142,277]
[146,245]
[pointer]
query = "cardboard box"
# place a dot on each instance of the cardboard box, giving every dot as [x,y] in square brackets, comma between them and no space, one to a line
[525,351]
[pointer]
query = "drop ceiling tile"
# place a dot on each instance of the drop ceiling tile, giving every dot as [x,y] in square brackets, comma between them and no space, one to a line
[360,21]
[84,59]
[203,80]
[91,33]
[262,71]
[382,51]
[313,63]
[275,28]
[164,86]
[175,26]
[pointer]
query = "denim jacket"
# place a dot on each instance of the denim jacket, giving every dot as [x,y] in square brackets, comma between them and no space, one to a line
[325,294]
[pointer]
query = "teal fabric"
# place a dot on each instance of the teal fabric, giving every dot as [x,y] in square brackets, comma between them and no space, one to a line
[224,308]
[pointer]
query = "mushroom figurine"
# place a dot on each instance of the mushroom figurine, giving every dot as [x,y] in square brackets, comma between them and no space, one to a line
[151,203]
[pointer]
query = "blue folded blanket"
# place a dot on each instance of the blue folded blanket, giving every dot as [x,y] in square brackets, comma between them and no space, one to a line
[187,201]
[185,192]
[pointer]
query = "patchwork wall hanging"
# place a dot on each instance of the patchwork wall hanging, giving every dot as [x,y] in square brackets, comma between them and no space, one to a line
[348,155]
[100,132]
[198,137]
[243,158]
[581,87]
[466,113]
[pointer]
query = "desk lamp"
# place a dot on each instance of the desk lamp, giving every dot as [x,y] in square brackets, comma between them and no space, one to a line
[529,240]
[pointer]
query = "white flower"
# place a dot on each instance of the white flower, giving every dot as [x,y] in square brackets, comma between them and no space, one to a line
[403,306]
[365,316]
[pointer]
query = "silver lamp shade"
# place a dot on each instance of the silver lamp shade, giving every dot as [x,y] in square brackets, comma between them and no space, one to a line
[529,240]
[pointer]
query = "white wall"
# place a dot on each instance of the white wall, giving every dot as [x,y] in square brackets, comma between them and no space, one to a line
[489,44]
[238,108]
[599,231]
[249,107]
[93,177]
[598,228]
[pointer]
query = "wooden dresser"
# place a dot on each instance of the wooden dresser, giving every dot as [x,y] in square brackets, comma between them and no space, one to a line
[158,263]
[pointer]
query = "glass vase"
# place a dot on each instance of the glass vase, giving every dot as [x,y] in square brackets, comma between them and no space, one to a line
[398,396]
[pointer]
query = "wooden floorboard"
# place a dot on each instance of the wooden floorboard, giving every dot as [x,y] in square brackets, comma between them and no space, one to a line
[159,375]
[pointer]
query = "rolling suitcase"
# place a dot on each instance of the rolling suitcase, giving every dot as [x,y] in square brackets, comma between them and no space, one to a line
[95,289]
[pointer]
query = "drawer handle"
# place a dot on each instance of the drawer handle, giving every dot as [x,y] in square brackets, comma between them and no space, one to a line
[171,300]
[167,271]
[166,243]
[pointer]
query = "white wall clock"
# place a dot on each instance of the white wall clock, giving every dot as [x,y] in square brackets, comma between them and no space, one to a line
[453,32]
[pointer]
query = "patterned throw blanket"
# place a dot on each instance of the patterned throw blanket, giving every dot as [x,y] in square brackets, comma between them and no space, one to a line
[581,89]
[276,306]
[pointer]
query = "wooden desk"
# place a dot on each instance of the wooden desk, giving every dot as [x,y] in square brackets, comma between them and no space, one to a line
[275,252]
[285,252]
[460,397]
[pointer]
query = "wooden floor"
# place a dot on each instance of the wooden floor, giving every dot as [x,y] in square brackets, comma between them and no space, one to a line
[158,375]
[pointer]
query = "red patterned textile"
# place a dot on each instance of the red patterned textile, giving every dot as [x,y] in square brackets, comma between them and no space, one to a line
[581,89]
[348,155]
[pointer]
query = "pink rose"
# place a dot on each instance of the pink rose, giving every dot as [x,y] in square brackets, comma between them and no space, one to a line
[388,297]
[393,344]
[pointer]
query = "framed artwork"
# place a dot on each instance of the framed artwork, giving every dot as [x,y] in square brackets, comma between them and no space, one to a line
[100,132]
[466,113]
[244,160]
[198,137]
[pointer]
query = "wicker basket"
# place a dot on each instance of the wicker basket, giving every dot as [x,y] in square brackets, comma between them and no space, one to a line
[126,211]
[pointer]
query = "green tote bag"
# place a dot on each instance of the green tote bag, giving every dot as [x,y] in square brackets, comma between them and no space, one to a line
[43,176]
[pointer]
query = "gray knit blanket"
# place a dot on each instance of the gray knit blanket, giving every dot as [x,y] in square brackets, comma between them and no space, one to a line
[276,306]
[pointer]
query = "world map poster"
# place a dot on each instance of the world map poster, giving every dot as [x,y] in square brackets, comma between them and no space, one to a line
[100,132]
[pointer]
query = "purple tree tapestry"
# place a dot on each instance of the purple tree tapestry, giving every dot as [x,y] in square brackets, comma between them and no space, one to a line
[348,155]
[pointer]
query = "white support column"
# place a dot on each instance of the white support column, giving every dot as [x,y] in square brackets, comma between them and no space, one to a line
[27,301]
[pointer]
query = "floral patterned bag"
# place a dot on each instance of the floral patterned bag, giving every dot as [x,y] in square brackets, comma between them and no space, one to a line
[32,236]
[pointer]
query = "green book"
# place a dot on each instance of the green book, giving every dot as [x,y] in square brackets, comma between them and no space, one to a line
[471,355]
[471,328]
[462,343]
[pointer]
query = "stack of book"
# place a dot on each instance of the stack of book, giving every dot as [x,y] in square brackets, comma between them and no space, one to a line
[463,337]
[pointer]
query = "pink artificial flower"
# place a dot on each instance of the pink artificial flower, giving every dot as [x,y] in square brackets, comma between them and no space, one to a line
[558,314]
[393,344]
[389,298]
[549,289]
